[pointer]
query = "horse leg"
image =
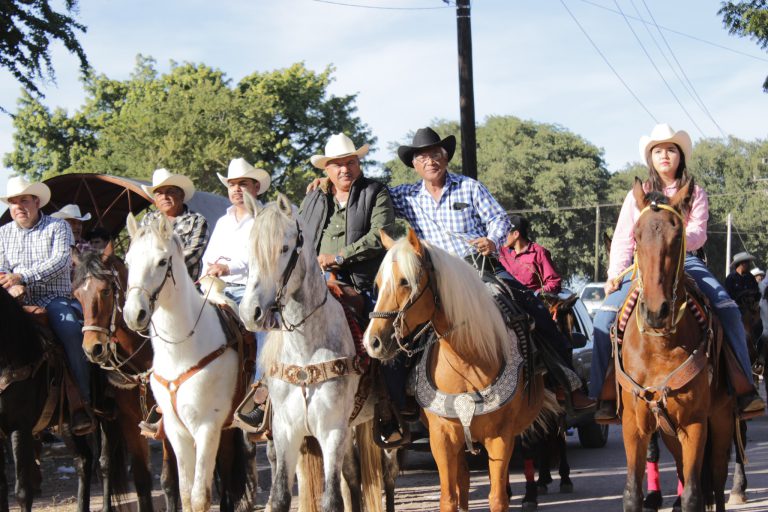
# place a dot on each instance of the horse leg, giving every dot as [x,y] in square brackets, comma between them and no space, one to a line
[739,489]
[286,457]
[543,457]
[206,445]
[350,468]
[104,469]
[333,443]
[84,466]
[223,468]
[169,477]
[462,480]
[390,467]
[721,432]
[653,497]
[531,496]
[446,454]
[184,449]
[21,443]
[693,439]
[138,448]
[499,453]
[635,445]
[564,469]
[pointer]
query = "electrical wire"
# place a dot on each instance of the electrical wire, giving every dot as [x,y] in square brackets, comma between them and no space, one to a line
[362,6]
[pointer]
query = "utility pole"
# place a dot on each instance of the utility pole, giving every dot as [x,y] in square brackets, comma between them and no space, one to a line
[466,90]
[597,243]
[728,244]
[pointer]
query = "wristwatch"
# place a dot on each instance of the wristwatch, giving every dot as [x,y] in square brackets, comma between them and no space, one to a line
[339,259]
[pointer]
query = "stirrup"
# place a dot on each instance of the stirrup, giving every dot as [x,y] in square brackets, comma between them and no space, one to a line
[152,427]
[257,397]
[405,432]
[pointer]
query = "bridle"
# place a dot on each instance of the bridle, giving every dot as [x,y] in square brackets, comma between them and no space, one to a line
[654,206]
[280,295]
[399,322]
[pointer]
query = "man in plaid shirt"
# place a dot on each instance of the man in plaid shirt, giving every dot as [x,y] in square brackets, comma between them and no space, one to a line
[170,192]
[35,253]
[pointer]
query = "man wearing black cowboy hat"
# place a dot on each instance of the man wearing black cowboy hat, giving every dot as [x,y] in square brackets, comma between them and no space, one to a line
[740,281]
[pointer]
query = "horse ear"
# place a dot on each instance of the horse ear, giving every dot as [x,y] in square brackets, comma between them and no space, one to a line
[682,197]
[108,251]
[284,204]
[607,240]
[76,255]
[415,242]
[386,240]
[164,227]
[639,193]
[131,224]
[252,206]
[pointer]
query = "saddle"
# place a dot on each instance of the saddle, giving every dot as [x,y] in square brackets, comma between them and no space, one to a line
[243,340]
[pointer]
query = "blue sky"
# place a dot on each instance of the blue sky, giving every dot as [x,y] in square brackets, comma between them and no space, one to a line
[531,60]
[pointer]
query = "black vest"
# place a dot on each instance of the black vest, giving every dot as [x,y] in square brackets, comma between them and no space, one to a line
[316,209]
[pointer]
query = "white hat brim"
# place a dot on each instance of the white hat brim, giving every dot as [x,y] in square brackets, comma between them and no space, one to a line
[37,189]
[320,161]
[257,174]
[680,137]
[174,180]
[59,215]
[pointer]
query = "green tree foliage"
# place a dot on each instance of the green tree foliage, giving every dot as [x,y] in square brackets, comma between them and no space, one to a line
[191,120]
[748,19]
[539,167]
[27,29]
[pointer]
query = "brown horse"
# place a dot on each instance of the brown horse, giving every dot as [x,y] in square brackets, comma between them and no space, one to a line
[99,286]
[668,369]
[420,284]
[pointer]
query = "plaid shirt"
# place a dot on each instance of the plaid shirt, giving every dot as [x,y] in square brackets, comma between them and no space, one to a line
[192,228]
[41,255]
[465,211]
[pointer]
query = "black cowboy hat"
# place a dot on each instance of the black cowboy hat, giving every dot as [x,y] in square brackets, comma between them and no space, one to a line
[424,138]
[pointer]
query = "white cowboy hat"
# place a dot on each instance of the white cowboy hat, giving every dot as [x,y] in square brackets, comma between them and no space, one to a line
[664,133]
[757,272]
[71,211]
[165,178]
[240,168]
[741,258]
[19,186]
[338,146]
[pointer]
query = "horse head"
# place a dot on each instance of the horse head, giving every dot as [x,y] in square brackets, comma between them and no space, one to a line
[277,263]
[660,251]
[150,260]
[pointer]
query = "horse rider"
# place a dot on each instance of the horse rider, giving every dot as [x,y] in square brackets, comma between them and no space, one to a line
[170,193]
[35,253]
[71,214]
[342,219]
[741,280]
[759,274]
[459,215]
[528,262]
[666,152]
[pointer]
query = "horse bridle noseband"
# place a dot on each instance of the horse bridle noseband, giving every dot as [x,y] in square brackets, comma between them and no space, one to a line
[279,307]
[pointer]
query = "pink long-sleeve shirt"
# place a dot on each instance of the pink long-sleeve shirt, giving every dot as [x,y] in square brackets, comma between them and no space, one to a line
[623,244]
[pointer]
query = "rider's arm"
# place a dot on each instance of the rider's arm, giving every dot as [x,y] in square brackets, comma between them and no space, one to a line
[551,282]
[369,245]
[55,261]
[491,213]
[198,239]
[623,243]
[696,227]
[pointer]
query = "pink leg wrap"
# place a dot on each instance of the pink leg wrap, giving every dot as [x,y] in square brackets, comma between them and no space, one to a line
[652,471]
[679,488]
[530,472]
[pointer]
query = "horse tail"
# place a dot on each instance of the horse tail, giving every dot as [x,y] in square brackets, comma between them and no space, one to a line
[242,467]
[370,467]
[547,421]
[311,474]
[116,459]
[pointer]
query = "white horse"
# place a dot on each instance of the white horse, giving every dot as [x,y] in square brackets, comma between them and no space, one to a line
[195,373]
[309,361]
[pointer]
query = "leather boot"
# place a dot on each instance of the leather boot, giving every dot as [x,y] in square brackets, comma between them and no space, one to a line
[81,419]
[748,401]
[250,414]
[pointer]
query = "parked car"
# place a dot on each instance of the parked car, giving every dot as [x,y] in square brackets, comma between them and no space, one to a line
[592,295]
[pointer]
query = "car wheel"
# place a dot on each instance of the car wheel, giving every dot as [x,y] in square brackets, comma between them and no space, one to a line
[592,435]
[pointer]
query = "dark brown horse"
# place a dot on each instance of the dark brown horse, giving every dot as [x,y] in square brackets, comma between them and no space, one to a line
[107,341]
[667,380]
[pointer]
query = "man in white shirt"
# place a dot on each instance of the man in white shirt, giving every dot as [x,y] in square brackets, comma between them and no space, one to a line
[226,256]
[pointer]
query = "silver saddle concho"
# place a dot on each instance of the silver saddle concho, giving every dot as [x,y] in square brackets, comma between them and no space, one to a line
[466,406]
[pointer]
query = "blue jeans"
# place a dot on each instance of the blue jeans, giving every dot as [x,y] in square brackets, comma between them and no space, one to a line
[726,309]
[64,317]
[236,293]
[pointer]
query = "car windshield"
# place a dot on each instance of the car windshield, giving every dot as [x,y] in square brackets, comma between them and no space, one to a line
[593,293]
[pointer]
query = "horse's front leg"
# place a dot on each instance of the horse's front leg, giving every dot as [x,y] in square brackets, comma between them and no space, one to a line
[693,438]
[351,470]
[184,449]
[446,453]
[169,477]
[21,444]
[739,490]
[499,452]
[286,447]
[635,446]
[206,445]
[333,443]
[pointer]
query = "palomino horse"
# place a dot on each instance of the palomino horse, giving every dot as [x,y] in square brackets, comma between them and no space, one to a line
[309,361]
[195,371]
[668,368]
[30,387]
[420,284]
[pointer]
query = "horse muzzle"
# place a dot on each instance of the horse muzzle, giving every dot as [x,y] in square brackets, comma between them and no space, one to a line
[96,347]
[381,344]
[257,318]
[136,311]
[658,318]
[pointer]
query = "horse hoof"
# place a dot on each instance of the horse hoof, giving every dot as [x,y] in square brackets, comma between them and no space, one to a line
[737,498]
[529,506]
[677,506]
[566,487]
[652,501]
[542,489]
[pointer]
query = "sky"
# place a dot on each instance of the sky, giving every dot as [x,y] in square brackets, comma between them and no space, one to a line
[531,60]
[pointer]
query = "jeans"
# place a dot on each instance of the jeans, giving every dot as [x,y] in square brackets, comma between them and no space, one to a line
[236,293]
[725,308]
[64,316]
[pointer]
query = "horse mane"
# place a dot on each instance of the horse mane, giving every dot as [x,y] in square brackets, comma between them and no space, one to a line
[478,327]
[154,229]
[271,226]
[19,341]
[89,263]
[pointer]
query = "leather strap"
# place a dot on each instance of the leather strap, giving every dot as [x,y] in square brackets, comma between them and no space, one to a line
[315,373]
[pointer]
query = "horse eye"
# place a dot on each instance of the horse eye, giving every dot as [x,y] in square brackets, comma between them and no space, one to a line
[105,292]
[284,249]
[162,262]
[404,282]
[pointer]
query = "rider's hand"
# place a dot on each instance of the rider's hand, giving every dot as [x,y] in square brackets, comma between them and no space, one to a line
[327,261]
[8,280]
[217,270]
[484,246]
[323,183]
[611,286]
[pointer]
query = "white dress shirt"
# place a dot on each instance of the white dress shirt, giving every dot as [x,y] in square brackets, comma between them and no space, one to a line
[229,242]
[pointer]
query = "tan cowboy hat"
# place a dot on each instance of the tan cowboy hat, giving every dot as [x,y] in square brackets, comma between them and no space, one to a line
[741,258]
[338,146]
[165,178]
[664,133]
[19,186]
[71,211]
[240,168]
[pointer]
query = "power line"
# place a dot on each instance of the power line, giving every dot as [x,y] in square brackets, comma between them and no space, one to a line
[689,36]
[605,59]
[658,71]
[362,6]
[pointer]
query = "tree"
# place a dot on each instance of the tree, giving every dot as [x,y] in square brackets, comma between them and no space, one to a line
[192,120]
[748,19]
[27,28]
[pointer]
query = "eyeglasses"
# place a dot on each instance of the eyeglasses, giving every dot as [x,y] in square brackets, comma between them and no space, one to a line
[435,155]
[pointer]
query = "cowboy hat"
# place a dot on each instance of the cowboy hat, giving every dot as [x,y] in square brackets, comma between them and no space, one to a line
[338,146]
[165,178]
[71,211]
[424,138]
[19,186]
[757,272]
[664,133]
[741,258]
[239,168]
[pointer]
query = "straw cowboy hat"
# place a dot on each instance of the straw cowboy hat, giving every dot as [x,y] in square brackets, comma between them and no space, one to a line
[664,133]
[239,168]
[741,258]
[424,138]
[165,178]
[19,186]
[338,146]
[71,211]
